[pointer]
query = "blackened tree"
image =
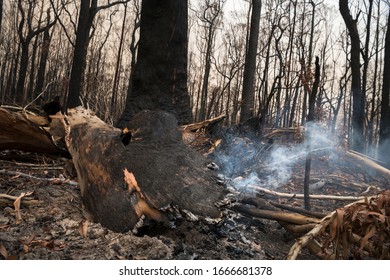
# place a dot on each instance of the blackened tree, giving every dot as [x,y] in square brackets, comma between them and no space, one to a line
[384,132]
[358,109]
[160,76]
[88,11]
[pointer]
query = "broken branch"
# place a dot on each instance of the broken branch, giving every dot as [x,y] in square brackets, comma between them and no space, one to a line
[300,196]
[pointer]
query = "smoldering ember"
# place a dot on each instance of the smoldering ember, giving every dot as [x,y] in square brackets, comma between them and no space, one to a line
[210,129]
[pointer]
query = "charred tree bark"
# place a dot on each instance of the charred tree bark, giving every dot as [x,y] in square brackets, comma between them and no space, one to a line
[160,74]
[310,119]
[88,10]
[123,179]
[17,132]
[114,99]
[384,133]
[133,47]
[86,15]
[358,108]
[247,107]
[1,13]
[25,43]
[43,62]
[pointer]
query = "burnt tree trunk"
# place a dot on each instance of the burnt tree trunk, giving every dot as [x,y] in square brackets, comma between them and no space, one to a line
[247,107]
[85,21]
[384,133]
[358,95]
[310,119]
[1,13]
[139,171]
[160,75]
[43,62]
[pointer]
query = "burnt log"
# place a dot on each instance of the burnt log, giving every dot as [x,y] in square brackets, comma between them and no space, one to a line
[125,174]
[24,132]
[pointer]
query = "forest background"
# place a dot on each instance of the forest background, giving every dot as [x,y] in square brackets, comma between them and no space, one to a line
[38,41]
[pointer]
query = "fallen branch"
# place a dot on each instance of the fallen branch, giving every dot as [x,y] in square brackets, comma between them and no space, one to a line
[300,196]
[275,215]
[60,180]
[8,200]
[206,123]
[369,163]
[343,229]
[308,237]
[298,210]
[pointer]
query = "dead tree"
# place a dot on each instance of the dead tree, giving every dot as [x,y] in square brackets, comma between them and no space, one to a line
[25,40]
[88,11]
[357,94]
[210,17]
[1,12]
[310,119]
[384,140]
[159,79]
[247,106]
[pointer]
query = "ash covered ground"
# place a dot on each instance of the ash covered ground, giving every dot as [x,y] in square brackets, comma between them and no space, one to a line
[58,227]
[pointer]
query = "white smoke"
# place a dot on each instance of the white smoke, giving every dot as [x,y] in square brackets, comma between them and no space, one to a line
[273,169]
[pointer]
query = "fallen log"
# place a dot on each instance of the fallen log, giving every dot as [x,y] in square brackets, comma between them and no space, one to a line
[301,196]
[141,170]
[17,132]
[368,163]
[279,216]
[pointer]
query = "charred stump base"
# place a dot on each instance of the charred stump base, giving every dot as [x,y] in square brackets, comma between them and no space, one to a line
[138,171]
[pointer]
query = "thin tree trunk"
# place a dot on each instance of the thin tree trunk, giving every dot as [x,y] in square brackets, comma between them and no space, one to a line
[1,14]
[43,62]
[247,107]
[374,86]
[114,99]
[384,140]
[310,119]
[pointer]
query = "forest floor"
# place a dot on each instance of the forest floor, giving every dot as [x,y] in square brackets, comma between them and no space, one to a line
[57,226]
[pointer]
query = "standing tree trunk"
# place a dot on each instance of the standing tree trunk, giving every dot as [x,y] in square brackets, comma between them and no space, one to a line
[133,45]
[1,13]
[384,133]
[88,10]
[42,62]
[25,41]
[310,119]
[160,74]
[114,99]
[210,17]
[247,106]
[375,95]
[357,94]
[85,21]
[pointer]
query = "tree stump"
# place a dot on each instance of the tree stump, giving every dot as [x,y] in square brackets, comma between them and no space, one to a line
[126,174]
